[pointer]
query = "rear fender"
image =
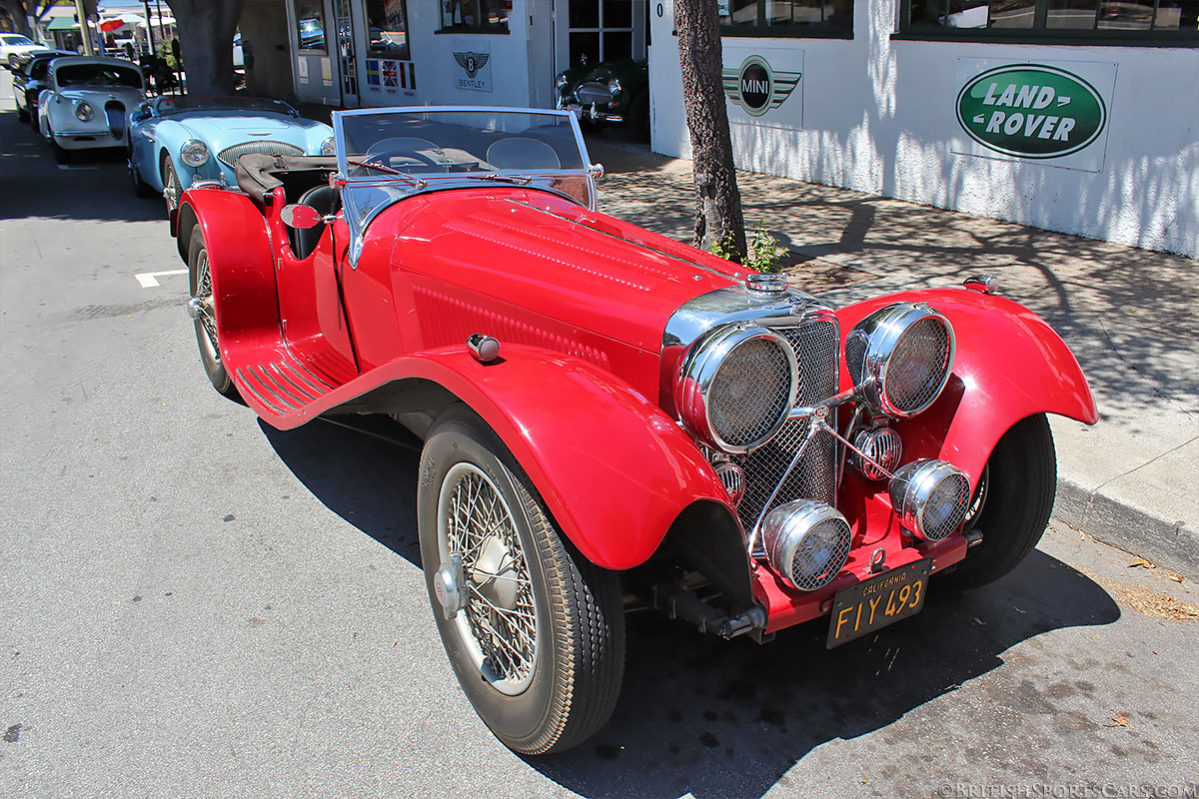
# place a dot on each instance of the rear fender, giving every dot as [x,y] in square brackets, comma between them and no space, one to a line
[612,468]
[1010,364]
[239,261]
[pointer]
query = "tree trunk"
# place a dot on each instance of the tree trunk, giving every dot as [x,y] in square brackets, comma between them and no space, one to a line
[15,11]
[718,214]
[206,42]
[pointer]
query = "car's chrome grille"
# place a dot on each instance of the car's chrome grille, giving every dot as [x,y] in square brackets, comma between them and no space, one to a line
[593,92]
[816,344]
[230,155]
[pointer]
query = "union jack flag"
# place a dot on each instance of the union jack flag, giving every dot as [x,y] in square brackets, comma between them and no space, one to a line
[390,78]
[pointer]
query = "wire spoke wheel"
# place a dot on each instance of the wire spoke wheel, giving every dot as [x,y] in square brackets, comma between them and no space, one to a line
[499,622]
[202,308]
[533,630]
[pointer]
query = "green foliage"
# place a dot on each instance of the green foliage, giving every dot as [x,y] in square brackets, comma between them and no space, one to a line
[764,251]
[164,51]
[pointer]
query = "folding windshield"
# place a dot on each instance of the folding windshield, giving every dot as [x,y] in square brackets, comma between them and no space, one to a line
[387,155]
[449,140]
[77,75]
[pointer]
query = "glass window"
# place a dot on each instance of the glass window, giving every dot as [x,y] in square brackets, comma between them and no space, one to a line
[1119,22]
[475,16]
[387,29]
[768,18]
[310,24]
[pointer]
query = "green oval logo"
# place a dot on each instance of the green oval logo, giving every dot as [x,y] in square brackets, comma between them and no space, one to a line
[1031,111]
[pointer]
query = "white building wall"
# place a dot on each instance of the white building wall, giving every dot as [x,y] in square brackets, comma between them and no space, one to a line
[878,116]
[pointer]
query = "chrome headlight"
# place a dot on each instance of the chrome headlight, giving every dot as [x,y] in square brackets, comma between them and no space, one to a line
[807,542]
[329,147]
[560,81]
[194,153]
[736,386]
[83,111]
[900,357]
[930,497]
[614,87]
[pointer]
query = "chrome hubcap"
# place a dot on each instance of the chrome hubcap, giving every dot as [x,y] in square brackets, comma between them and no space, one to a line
[499,619]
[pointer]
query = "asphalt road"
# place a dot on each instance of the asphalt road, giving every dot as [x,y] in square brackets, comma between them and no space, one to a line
[196,605]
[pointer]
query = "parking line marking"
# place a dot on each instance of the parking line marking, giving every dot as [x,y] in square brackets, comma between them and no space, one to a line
[69,168]
[150,279]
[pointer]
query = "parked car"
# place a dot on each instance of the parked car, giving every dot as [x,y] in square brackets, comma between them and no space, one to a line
[14,44]
[86,103]
[614,93]
[29,75]
[175,140]
[610,418]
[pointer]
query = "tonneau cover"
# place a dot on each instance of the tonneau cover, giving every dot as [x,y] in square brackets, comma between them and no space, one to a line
[256,172]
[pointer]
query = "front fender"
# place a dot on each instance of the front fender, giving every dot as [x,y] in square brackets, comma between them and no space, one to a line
[241,267]
[1010,365]
[612,468]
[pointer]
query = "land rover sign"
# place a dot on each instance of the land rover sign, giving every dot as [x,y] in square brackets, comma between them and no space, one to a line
[1036,111]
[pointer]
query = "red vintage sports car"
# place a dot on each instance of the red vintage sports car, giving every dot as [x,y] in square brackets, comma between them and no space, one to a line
[607,413]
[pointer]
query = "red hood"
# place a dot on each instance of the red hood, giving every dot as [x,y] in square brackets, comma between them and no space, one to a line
[539,255]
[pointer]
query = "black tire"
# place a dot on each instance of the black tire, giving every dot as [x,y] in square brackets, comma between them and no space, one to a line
[61,154]
[171,188]
[22,112]
[564,690]
[140,187]
[1014,500]
[202,296]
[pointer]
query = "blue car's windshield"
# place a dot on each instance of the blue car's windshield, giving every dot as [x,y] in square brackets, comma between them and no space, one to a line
[173,104]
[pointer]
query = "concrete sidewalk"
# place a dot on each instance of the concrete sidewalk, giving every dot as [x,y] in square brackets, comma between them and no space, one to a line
[1130,316]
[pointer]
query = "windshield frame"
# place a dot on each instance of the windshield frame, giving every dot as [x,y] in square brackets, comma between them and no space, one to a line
[402,185]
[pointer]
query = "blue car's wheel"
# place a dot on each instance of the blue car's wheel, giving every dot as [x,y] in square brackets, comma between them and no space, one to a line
[172,190]
[140,187]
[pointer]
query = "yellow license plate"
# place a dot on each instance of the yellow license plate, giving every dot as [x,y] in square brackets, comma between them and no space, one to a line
[879,601]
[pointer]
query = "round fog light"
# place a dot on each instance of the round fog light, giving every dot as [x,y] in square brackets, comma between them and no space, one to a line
[807,542]
[931,498]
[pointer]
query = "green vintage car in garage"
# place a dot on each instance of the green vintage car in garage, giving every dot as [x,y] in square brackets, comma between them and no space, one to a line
[608,93]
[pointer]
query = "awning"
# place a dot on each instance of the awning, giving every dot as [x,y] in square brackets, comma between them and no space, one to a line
[62,24]
[110,25]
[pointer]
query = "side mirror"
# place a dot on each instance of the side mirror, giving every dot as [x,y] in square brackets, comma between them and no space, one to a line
[300,217]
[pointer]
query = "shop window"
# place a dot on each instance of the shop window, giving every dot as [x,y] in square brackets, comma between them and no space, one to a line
[1116,22]
[310,24]
[475,16]
[387,29]
[769,18]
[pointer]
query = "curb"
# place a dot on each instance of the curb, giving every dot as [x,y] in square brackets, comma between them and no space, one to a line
[1173,545]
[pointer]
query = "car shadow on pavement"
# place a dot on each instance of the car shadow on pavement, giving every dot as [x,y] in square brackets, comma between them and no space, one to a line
[95,184]
[711,717]
[363,468]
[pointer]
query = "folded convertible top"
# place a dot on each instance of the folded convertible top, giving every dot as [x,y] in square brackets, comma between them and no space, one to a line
[257,172]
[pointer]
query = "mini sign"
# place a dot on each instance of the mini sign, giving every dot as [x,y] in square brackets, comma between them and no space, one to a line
[764,86]
[1049,112]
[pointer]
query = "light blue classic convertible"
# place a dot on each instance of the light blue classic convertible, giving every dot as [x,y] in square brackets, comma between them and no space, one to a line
[176,140]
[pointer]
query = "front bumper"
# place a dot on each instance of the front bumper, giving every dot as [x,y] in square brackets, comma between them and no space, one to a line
[86,140]
[591,113]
